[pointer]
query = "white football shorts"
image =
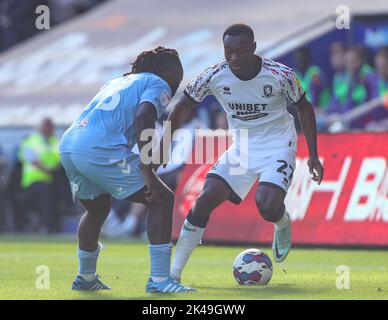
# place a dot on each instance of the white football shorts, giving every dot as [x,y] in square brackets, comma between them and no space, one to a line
[240,173]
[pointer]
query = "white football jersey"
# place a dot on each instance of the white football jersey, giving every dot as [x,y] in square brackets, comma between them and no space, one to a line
[258,105]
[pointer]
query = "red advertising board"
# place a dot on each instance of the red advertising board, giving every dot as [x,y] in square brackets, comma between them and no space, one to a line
[350,207]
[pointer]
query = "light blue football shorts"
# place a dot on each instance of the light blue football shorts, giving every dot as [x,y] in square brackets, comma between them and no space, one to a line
[91,176]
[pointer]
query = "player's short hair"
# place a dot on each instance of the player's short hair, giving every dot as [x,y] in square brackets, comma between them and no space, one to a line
[239,29]
[154,61]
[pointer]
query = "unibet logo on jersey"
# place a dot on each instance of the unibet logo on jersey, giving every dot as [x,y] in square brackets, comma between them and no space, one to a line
[248,111]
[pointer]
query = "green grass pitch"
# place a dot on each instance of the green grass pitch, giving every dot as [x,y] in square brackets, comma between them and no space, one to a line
[310,273]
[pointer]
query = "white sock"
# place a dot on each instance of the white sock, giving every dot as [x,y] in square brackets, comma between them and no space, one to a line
[88,276]
[189,238]
[158,279]
[283,221]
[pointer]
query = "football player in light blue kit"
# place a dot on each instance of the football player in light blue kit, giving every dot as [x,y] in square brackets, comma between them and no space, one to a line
[96,154]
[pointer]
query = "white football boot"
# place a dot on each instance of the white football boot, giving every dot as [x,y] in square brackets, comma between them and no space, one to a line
[281,244]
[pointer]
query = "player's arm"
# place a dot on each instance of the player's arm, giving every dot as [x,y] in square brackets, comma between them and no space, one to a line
[193,94]
[176,118]
[180,112]
[308,123]
[145,120]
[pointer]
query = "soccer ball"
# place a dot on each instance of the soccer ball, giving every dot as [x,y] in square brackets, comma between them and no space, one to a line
[252,267]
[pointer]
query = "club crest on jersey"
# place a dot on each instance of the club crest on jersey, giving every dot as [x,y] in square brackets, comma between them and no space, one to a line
[165,98]
[268,91]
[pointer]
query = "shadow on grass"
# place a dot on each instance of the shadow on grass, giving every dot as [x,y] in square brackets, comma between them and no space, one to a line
[268,292]
[100,295]
[218,293]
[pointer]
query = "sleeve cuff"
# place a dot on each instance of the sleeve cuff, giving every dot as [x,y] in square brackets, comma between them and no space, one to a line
[190,97]
[157,110]
[300,98]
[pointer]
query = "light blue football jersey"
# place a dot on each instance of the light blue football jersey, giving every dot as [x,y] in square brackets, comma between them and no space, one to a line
[106,127]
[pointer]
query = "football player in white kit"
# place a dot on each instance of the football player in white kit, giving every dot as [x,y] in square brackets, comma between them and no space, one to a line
[254,92]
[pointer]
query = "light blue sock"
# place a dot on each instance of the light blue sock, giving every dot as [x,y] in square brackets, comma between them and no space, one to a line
[87,261]
[160,256]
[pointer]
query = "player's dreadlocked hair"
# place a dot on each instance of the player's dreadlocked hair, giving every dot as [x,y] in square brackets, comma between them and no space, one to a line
[154,60]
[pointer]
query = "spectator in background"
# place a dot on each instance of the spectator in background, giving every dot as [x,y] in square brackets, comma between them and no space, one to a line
[357,83]
[338,63]
[39,157]
[381,63]
[312,79]
[378,118]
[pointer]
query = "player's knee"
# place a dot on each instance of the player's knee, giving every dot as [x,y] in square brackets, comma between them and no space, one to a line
[268,209]
[98,208]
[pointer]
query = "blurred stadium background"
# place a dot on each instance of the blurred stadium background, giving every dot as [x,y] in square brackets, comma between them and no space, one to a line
[48,76]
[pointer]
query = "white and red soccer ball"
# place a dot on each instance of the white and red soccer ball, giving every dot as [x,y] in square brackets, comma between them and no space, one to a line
[252,267]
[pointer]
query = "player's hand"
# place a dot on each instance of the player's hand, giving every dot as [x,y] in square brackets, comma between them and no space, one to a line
[154,186]
[316,169]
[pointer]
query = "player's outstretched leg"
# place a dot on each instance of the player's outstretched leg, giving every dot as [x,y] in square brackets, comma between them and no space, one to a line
[159,231]
[214,193]
[88,247]
[270,202]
